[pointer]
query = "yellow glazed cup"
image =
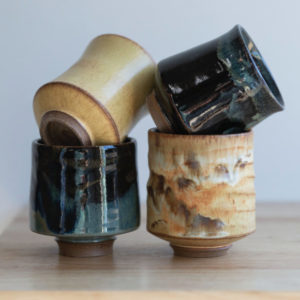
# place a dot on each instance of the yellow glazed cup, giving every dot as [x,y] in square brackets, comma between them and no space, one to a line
[98,99]
[201,194]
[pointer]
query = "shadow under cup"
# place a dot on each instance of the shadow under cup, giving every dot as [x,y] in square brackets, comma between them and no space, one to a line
[84,196]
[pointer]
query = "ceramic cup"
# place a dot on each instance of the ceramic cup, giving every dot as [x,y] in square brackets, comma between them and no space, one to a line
[223,86]
[201,194]
[84,196]
[100,98]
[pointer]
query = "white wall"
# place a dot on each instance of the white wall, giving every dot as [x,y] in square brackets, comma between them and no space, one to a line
[40,39]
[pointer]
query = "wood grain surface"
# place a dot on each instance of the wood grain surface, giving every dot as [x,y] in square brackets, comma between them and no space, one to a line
[150,295]
[268,260]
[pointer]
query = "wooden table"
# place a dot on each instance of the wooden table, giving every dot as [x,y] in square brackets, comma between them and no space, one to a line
[266,261]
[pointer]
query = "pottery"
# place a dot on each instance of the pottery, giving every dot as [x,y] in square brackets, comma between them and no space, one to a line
[222,86]
[201,195]
[100,98]
[84,196]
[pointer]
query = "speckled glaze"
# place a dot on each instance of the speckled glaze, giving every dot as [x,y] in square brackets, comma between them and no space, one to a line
[84,194]
[98,99]
[201,192]
[223,86]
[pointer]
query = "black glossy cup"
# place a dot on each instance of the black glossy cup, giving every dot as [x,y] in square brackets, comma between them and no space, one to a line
[84,196]
[222,86]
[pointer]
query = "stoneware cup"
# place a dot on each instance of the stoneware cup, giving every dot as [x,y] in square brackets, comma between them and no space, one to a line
[100,98]
[223,86]
[201,195]
[84,196]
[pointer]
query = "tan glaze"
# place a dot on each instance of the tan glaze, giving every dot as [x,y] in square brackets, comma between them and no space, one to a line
[85,249]
[201,194]
[101,96]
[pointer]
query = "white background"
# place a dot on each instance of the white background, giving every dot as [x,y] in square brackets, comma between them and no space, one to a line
[41,39]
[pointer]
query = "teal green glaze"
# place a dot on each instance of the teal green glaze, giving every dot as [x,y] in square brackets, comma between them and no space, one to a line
[251,76]
[84,194]
[222,86]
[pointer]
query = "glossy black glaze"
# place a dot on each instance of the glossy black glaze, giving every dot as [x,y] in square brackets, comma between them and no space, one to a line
[221,86]
[84,192]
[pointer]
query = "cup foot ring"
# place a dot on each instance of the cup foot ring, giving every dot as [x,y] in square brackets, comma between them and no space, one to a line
[201,252]
[83,249]
[59,128]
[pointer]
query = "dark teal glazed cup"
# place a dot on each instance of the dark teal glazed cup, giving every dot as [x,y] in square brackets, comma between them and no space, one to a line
[84,196]
[222,86]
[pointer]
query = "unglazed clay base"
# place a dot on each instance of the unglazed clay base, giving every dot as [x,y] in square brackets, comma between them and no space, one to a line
[201,252]
[199,247]
[85,249]
[59,128]
[159,117]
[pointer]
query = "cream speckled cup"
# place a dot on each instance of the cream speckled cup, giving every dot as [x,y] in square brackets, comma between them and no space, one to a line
[201,194]
[98,99]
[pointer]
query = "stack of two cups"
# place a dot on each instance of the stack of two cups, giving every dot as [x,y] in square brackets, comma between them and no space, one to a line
[84,179]
[201,194]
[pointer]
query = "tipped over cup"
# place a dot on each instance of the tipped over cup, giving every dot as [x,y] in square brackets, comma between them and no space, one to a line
[222,86]
[98,99]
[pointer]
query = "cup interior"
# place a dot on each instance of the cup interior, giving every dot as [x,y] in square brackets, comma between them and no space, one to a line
[126,142]
[261,67]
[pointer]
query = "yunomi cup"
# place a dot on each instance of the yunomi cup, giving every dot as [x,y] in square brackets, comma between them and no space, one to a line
[201,195]
[98,99]
[84,196]
[222,86]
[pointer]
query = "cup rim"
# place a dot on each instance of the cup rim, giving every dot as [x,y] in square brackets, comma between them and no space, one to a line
[154,130]
[274,90]
[127,142]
